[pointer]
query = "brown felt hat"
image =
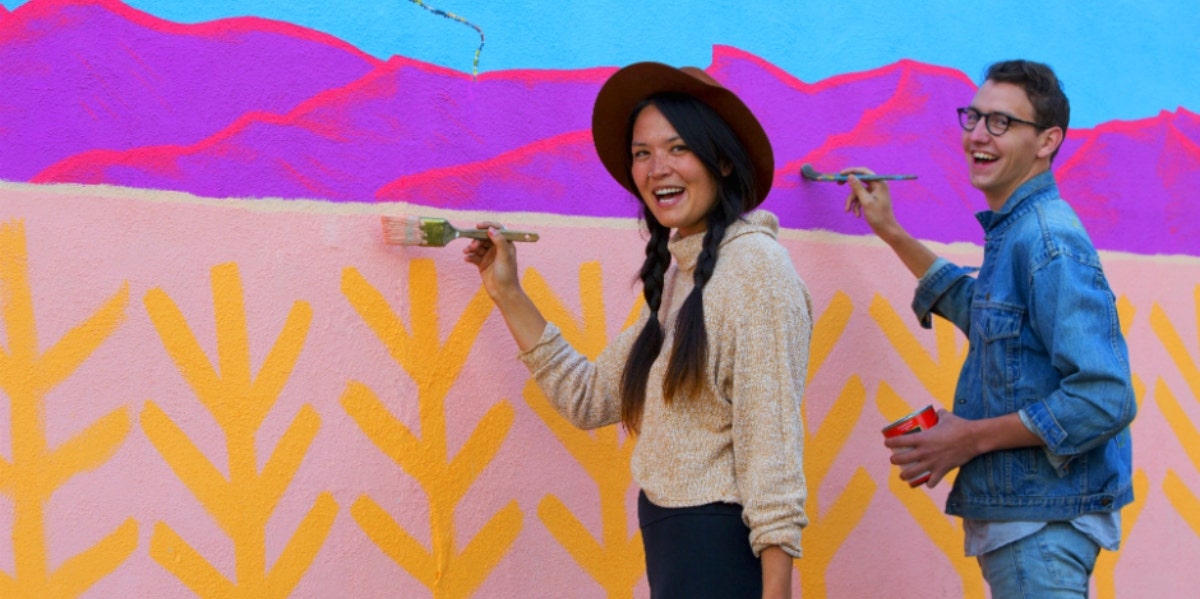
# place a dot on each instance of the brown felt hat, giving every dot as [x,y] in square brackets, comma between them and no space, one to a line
[631,85]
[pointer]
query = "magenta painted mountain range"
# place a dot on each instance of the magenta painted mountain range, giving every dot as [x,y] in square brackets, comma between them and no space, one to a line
[254,108]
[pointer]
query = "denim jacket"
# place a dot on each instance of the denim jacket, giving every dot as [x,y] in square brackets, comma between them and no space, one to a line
[1044,341]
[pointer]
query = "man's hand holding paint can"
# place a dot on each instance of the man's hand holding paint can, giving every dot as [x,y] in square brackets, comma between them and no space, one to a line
[918,421]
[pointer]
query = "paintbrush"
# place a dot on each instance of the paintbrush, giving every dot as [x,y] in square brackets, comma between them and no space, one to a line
[437,232]
[811,174]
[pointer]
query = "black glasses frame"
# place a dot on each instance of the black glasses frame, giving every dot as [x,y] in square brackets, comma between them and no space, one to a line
[966,114]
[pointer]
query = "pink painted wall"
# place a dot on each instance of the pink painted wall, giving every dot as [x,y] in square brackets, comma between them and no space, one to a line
[216,380]
[351,432]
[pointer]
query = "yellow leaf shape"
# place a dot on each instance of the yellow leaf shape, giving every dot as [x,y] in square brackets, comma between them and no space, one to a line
[573,536]
[470,568]
[616,576]
[945,535]
[434,366]
[823,445]
[187,461]
[1174,345]
[284,462]
[827,530]
[36,470]
[196,573]
[826,533]
[479,449]
[827,330]
[1184,500]
[938,372]
[617,560]
[394,541]
[601,453]
[421,353]
[584,338]
[80,572]
[1125,313]
[1177,418]
[1181,497]
[88,450]
[241,503]
[297,555]
[390,435]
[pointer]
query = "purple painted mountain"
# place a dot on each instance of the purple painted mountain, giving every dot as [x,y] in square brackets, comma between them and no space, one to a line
[895,119]
[346,143]
[1133,183]
[97,75]
[520,140]
[561,174]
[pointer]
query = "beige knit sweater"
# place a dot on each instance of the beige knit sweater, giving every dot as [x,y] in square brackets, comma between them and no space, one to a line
[741,440]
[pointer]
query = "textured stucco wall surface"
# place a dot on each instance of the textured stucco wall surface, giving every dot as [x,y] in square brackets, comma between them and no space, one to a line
[263,394]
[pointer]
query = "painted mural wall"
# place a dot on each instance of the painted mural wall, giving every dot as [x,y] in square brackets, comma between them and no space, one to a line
[216,380]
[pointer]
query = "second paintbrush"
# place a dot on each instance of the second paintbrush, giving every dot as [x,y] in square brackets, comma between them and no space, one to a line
[437,232]
[810,173]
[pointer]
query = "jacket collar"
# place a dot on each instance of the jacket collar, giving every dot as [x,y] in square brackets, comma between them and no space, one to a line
[1033,190]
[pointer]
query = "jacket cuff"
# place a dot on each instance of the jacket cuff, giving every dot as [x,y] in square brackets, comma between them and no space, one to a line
[938,279]
[1041,422]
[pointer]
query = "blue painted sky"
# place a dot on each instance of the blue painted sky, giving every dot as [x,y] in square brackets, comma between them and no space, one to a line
[1119,59]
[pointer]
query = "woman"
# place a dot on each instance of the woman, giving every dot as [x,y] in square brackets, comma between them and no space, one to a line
[711,376]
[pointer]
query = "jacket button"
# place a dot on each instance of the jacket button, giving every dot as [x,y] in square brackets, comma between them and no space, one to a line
[1107,501]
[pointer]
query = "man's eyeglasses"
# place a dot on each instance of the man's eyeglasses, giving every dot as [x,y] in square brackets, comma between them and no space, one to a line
[996,122]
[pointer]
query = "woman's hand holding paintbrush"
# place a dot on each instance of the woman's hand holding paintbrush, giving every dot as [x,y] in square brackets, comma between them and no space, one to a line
[496,257]
[437,232]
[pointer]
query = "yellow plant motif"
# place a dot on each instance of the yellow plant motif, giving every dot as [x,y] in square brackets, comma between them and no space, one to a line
[241,504]
[828,530]
[1184,499]
[1106,563]
[36,470]
[434,366]
[938,373]
[617,560]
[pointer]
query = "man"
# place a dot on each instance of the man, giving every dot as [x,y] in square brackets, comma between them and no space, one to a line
[1040,422]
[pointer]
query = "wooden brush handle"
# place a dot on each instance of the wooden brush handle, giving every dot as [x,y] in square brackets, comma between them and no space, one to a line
[505,233]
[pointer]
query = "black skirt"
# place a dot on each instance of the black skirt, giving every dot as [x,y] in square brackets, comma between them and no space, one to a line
[698,552]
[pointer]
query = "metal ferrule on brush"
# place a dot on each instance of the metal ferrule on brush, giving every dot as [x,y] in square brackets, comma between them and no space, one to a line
[434,232]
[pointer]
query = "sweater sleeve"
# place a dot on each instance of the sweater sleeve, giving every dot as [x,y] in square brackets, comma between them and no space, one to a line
[772,325]
[586,393]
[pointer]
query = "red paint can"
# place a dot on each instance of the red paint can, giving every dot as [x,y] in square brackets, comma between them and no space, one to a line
[918,421]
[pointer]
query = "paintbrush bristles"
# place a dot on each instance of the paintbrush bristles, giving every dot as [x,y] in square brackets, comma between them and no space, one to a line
[403,230]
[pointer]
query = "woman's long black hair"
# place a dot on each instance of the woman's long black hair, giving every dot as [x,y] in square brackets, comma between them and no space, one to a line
[714,142]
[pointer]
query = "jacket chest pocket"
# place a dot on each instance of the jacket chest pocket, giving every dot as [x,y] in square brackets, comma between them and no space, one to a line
[997,334]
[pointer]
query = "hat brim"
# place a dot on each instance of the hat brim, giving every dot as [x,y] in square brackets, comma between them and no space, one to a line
[629,86]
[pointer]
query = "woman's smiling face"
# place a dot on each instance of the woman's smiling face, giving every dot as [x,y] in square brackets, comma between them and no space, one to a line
[673,182]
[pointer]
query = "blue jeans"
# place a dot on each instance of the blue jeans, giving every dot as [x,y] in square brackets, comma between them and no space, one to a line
[1055,562]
